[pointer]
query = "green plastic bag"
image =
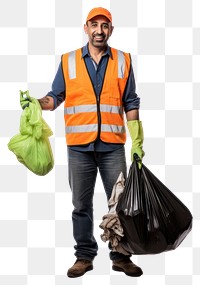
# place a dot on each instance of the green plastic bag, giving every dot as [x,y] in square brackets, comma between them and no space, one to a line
[31,146]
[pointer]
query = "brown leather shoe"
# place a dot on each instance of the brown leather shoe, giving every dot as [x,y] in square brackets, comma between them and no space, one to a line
[80,267]
[127,266]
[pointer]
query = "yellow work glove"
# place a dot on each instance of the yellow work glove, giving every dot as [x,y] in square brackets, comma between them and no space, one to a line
[136,133]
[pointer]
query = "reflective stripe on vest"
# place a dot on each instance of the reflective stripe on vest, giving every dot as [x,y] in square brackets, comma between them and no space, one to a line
[121,64]
[72,64]
[113,128]
[81,128]
[93,108]
[92,128]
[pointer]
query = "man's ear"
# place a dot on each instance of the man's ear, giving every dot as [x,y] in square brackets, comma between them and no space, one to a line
[86,28]
[111,30]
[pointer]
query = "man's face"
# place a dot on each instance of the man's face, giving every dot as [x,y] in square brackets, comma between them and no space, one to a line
[98,29]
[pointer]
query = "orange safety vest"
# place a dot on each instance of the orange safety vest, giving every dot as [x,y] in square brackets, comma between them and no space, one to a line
[86,118]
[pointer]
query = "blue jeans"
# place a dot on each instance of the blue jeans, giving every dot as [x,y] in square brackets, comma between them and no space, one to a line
[83,167]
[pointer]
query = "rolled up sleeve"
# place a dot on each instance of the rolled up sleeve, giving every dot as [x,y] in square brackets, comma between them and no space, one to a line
[58,88]
[130,99]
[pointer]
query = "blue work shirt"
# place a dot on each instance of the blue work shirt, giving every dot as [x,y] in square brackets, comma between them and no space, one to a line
[96,72]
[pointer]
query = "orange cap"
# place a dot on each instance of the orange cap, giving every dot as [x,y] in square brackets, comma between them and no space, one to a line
[99,11]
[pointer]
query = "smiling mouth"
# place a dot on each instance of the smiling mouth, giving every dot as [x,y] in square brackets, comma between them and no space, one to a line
[99,38]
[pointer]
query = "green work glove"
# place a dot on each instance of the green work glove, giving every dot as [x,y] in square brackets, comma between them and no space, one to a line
[136,133]
[24,99]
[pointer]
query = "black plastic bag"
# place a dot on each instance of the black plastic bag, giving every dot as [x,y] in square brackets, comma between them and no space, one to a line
[153,218]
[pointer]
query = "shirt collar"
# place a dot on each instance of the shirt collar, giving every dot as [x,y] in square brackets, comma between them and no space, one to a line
[85,51]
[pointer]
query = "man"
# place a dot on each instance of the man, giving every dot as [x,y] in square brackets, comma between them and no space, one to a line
[97,84]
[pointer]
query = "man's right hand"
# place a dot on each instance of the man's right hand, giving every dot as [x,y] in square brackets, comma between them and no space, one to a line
[25,99]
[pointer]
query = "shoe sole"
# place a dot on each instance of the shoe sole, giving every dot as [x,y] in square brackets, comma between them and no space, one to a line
[116,268]
[79,275]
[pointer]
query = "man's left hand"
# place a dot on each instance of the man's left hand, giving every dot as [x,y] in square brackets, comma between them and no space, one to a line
[136,133]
